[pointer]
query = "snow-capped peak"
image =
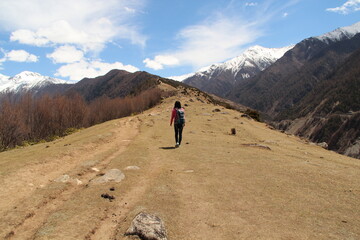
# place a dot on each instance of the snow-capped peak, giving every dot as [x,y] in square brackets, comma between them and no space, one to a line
[255,56]
[26,81]
[340,33]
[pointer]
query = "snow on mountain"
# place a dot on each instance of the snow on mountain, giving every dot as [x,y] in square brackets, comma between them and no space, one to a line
[220,78]
[340,33]
[25,81]
[254,57]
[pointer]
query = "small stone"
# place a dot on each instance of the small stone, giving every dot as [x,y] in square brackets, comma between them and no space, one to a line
[147,227]
[246,116]
[112,175]
[257,145]
[132,168]
[78,182]
[323,145]
[64,179]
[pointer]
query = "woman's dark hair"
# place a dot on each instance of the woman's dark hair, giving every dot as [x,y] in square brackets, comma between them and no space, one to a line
[177,104]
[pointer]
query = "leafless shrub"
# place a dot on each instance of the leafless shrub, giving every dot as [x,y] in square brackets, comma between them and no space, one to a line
[33,119]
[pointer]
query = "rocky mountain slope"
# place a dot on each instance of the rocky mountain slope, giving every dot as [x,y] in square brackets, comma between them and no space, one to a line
[220,78]
[311,90]
[331,113]
[310,63]
[257,184]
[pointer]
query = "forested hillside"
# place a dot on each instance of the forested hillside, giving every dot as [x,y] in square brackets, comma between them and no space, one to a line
[332,110]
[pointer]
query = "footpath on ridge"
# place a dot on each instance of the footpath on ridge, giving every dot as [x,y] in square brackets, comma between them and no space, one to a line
[257,184]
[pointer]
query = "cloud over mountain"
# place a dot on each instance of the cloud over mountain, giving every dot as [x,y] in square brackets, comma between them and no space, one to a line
[77,33]
[224,35]
[347,7]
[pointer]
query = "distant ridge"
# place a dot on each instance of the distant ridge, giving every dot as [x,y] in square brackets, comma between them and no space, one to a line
[220,78]
[27,81]
[312,91]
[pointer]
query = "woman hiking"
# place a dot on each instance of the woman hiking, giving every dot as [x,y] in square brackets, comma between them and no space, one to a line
[178,116]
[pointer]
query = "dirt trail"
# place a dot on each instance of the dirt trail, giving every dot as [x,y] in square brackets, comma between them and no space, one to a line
[258,184]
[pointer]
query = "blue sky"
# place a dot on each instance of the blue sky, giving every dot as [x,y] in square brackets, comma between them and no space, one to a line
[71,39]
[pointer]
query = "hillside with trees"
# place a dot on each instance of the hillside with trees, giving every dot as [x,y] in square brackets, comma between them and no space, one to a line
[331,110]
[32,119]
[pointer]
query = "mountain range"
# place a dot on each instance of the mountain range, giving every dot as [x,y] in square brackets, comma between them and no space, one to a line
[309,89]
[116,83]
[298,72]
[26,81]
[220,78]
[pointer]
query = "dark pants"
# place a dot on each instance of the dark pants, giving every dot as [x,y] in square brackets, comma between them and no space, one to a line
[178,132]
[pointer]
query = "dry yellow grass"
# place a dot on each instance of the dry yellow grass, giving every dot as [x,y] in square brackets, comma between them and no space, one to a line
[215,186]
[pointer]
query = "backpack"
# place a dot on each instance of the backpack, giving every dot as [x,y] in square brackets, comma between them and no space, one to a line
[180,116]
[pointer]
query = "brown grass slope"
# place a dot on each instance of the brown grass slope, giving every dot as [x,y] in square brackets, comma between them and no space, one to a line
[257,184]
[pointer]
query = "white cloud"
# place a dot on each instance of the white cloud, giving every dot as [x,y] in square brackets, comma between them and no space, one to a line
[20,56]
[66,54]
[224,34]
[153,64]
[130,10]
[251,4]
[89,23]
[79,70]
[216,39]
[161,60]
[28,37]
[2,59]
[347,7]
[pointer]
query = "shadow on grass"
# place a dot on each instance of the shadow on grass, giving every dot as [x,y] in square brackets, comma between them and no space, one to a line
[167,148]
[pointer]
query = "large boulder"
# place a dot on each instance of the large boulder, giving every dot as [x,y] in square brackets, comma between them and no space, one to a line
[147,227]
